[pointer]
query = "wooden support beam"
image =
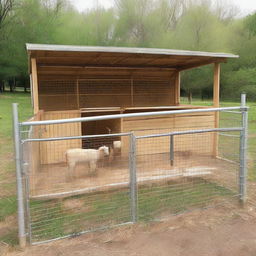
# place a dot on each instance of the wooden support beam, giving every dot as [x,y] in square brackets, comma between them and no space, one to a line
[201,63]
[88,67]
[34,85]
[216,104]
[177,88]
[216,85]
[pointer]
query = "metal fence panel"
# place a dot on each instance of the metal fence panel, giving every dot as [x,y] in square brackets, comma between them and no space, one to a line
[65,202]
[154,174]
[176,179]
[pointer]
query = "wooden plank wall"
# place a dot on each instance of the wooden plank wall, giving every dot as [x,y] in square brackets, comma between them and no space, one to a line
[202,143]
[54,151]
[33,151]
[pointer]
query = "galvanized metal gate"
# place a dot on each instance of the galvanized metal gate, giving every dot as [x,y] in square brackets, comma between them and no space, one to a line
[136,184]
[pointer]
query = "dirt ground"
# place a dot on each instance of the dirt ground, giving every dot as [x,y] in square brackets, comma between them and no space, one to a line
[49,181]
[225,230]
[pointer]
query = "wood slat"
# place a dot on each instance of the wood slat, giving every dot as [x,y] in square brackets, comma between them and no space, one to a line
[54,151]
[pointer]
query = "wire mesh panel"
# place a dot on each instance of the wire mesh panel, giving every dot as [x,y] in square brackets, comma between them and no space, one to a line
[88,189]
[70,94]
[181,178]
[57,95]
[80,179]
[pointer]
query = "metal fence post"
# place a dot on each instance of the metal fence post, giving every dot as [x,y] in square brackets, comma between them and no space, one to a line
[243,150]
[133,179]
[17,147]
[172,150]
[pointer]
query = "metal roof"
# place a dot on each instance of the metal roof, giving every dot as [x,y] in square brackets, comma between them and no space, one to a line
[131,50]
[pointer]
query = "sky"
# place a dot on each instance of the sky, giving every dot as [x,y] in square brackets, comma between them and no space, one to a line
[246,6]
[88,4]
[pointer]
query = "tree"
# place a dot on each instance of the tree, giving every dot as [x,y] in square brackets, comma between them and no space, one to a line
[5,9]
[250,24]
[24,28]
[131,26]
[197,81]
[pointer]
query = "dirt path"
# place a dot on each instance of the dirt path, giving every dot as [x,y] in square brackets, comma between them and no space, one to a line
[217,231]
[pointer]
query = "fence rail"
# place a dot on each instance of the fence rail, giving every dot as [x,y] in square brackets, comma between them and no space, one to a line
[143,114]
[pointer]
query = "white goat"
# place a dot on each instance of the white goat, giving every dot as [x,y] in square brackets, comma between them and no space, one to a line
[115,150]
[91,156]
[117,144]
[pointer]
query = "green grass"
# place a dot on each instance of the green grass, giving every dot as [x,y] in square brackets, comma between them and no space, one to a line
[51,219]
[177,198]
[25,111]
[8,206]
[6,141]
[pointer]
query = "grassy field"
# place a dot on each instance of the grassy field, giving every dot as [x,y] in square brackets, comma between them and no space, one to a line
[8,231]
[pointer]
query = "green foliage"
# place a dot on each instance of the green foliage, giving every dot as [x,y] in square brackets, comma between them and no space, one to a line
[204,25]
[240,81]
[198,80]
[250,23]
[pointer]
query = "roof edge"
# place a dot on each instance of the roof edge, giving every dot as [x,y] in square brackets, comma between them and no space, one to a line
[132,50]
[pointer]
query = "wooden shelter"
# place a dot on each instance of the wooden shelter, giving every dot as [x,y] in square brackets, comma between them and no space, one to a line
[75,81]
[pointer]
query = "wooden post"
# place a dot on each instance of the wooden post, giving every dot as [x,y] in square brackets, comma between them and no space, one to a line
[34,85]
[177,88]
[216,104]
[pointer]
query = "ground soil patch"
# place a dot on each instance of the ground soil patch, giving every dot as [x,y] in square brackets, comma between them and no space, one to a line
[225,230]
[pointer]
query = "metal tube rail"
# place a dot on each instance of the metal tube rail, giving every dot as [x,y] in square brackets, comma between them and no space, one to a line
[229,135]
[117,116]
[191,132]
[233,112]
[78,137]
[137,137]
[82,233]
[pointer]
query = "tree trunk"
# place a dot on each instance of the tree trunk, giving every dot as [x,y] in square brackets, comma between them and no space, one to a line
[11,84]
[189,97]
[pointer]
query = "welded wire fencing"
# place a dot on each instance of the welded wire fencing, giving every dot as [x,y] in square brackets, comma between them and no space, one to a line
[73,182]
